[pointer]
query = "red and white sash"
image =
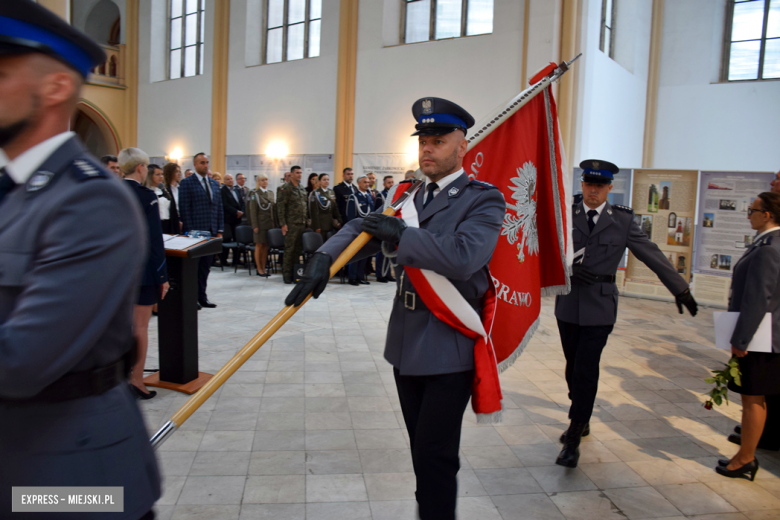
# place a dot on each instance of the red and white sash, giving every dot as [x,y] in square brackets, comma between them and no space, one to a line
[448,305]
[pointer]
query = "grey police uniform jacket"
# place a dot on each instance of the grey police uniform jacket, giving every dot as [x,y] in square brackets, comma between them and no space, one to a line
[72,245]
[755,290]
[458,232]
[604,247]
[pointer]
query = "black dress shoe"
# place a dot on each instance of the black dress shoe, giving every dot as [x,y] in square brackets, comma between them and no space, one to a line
[585,433]
[570,454]
[363,282]
[381,280]
[207,304]
[139,394]
[288,280]
[749,471]
[736,438]
[354,282]
[738,429]
[199,307]
[389,278]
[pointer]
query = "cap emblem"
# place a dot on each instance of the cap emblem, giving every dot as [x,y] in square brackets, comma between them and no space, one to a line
[427,107]
[596,165]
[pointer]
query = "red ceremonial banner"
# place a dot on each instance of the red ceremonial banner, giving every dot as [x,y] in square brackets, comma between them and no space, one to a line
[523,157]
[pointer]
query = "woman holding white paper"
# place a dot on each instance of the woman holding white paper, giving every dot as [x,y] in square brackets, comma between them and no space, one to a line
[755,291]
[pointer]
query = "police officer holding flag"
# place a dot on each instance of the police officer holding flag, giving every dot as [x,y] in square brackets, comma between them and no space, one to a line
[72,246]
[601,232]
[459,225]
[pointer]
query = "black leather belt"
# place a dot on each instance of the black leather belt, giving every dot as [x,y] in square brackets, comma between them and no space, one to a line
[76,385]
[413,302]
[605,278]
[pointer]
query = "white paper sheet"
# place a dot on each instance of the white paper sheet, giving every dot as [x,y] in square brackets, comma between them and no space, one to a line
[181,243]
[168,237]
[726,322]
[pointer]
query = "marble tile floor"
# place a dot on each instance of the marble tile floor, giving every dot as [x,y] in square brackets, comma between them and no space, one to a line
[311,426]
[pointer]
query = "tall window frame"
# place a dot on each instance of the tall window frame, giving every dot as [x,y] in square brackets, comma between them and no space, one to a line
[277,25]
[438,11]
[186,35]
[607,37]
[769,38]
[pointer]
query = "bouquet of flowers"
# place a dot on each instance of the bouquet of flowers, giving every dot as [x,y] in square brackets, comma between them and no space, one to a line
[721,380]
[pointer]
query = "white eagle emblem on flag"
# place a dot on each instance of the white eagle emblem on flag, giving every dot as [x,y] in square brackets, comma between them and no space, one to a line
[524,195]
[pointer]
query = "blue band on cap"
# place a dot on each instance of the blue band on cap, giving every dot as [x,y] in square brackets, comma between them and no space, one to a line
[442,118]
[602,173]
[64,48]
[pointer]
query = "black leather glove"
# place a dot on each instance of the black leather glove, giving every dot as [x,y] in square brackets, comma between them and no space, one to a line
[686,298]
[581,275]
[384,227]
[315,278]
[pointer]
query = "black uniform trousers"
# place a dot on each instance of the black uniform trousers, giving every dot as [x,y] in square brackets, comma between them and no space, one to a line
[582,346]
[433,409]
[204,268]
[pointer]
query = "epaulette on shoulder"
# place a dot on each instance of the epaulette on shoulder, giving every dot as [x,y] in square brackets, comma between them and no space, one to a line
[482,184]
[84,169]
[625,209]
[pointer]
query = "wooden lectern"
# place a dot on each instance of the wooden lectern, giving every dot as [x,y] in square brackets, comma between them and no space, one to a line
[177,321]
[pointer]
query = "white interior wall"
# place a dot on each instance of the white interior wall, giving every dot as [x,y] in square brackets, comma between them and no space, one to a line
[292,102]
[477,72]
[172,113]
[702,123]
[612,99]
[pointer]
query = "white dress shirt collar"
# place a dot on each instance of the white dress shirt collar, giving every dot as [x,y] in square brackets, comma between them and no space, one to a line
[444,182]
[765,232]
[22,168]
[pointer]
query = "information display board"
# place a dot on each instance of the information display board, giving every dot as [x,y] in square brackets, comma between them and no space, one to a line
[664,204]
[384,164]
[251,165]
[724,233]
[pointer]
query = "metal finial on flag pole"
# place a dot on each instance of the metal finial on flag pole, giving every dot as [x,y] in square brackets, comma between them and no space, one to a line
[243,355]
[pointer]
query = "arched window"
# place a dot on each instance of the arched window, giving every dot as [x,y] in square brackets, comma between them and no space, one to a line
[187,31]
[439,19]
[292,29]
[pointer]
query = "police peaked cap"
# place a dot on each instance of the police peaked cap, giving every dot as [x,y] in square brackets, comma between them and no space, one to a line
[597,171]
[27,27]
[437,116]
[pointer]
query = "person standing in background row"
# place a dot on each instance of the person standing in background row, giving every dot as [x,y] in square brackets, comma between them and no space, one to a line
[71,235]
[360,205]
[586,316]
[343,191]
[280,188]
[200,208]
[384,275]
[312,183]
[187,173]
[240,184]
[234,206]
[323,210]
[292,218]
[155,182]
[409,175]
[171,180]
[134,164]
[109,161]
[262,217]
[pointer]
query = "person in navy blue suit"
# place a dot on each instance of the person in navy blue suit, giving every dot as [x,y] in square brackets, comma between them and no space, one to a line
[200,209]
[133,164]
[360,204]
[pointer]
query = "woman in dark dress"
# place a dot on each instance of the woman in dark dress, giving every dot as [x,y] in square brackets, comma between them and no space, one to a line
[154,275]
[755,291]
[171,175]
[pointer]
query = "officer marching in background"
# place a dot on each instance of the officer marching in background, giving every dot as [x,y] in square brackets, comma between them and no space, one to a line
[72,244]
[292,217]
[600,233]
[433,364]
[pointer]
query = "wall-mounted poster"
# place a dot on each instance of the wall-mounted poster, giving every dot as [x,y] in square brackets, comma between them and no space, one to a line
[384,164]
[664,203]
[251,165]
[724,230]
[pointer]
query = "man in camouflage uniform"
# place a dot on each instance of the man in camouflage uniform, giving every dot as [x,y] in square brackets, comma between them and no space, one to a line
[324,211]
[292,217]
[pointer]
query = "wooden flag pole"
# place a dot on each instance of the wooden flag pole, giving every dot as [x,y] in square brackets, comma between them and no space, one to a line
[243,355]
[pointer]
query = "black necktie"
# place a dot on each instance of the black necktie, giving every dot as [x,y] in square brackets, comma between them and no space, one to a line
[591,224]
[6,183]
[208,188]
[428,198]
